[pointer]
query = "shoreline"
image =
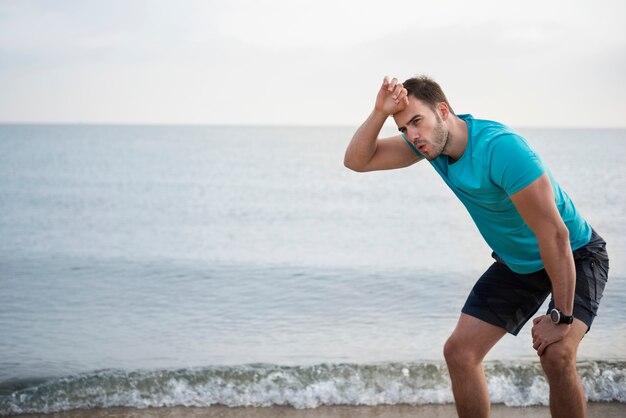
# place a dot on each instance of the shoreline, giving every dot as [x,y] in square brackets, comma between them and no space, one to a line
[594,410]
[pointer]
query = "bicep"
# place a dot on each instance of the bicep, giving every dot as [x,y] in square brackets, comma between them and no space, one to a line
[535,204]
[391,153]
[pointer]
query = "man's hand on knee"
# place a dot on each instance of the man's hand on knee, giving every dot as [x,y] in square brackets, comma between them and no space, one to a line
[545,332]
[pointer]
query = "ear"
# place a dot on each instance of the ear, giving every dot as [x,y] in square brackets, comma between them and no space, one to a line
[444,110]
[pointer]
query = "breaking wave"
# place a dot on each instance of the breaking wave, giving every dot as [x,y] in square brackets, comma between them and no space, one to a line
[514,384]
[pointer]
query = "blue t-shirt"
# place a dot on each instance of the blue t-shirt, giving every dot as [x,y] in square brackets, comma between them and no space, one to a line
[497,163]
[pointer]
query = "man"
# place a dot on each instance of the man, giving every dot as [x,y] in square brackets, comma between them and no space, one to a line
[541,243]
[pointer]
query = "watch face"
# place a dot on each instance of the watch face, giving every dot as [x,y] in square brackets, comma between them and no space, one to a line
[555,316]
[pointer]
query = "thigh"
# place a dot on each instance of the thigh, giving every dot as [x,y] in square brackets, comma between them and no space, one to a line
[476,337]
[507,299]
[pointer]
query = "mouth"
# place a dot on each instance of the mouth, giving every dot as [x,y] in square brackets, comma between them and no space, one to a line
[420,148]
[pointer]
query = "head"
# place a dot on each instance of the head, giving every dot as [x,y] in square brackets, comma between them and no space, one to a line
[424,120]
[427,91]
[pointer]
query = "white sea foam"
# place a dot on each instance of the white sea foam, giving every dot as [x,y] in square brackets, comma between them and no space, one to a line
[299,387]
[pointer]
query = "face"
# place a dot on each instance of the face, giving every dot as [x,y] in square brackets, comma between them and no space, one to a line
[423,127]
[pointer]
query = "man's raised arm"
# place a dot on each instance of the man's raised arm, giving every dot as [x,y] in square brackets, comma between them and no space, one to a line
[368,153]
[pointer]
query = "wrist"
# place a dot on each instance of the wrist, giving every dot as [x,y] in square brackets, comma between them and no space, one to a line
[380,114]
[558,317]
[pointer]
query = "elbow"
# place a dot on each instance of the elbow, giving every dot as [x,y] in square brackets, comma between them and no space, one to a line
[560,233]
[352,165]
[556,233]
[564,232]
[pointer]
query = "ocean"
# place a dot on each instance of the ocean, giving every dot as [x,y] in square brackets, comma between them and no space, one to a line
[246,266]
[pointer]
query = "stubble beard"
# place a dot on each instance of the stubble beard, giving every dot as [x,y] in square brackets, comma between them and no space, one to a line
[440,140]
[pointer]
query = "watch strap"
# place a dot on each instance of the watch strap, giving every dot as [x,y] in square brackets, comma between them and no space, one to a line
[563,319]
[566,319]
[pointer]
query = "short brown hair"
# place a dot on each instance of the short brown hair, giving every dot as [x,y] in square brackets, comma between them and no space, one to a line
[427,90]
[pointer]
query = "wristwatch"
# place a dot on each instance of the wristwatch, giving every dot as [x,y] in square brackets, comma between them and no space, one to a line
[557,317]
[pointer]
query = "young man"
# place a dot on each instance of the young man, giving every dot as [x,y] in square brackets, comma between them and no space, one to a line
[541,243]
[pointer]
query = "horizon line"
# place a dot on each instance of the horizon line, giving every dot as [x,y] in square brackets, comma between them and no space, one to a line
[262,125]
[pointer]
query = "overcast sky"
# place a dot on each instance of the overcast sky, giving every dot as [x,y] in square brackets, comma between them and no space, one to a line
[525,63]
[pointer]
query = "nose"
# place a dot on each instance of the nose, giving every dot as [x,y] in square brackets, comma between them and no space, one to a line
[412,134]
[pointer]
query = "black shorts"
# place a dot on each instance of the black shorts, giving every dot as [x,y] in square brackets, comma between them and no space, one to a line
[508,300]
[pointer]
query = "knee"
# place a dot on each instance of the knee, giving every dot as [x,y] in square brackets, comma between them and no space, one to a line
[458,355]
[558,359]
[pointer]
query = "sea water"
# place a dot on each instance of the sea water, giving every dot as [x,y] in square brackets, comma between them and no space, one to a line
[180,265]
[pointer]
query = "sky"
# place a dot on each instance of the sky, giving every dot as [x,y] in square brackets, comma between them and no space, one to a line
[546,63]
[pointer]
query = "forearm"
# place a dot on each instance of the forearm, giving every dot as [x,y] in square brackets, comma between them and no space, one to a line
[363,144]
[558,261]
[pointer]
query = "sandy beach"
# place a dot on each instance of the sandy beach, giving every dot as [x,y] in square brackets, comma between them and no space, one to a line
[595,410]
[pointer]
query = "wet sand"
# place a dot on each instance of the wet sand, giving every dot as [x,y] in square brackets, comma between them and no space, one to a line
[595,410]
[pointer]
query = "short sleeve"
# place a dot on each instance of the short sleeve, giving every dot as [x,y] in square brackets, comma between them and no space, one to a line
[412,146]
[513,164]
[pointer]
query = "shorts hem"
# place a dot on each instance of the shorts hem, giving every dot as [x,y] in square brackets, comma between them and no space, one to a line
[488,318]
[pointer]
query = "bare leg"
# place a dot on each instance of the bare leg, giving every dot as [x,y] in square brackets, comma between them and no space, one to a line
[464,351]
[567,398]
